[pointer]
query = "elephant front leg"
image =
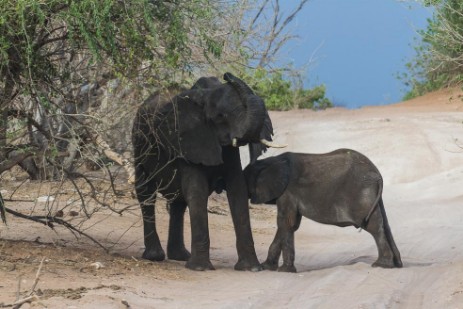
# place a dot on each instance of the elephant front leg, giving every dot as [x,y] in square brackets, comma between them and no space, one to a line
[176,245]
[288,222]
[274,252]
[247,258]
[200,243]
[195,190]
[237,195]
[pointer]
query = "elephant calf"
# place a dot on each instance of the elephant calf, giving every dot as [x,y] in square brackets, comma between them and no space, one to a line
[342,188]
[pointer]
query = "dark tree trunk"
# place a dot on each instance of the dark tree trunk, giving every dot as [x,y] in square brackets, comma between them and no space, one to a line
[10,75]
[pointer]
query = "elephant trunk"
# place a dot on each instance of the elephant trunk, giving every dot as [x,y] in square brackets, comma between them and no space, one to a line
[252,119]
[241,87]
[256,126]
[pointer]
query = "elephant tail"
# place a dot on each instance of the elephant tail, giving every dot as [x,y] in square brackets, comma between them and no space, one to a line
[377,202]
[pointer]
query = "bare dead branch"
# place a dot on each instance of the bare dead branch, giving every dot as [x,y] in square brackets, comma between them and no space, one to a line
[37,276]
[17,304]
[125,163]
[9,163]
[258,14]
[32,294]
[49,220]
[275,39]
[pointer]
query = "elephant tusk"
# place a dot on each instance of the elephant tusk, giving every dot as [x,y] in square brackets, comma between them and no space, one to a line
[271,144]
[234,142]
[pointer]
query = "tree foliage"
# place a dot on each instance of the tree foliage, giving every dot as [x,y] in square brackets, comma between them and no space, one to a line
[57,58]
[72,74]
[62,61]
[439,55]
[267,32]
[282,94]
[41,41]
[54,55]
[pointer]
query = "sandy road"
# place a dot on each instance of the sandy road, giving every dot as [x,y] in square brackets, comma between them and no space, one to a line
[414,145]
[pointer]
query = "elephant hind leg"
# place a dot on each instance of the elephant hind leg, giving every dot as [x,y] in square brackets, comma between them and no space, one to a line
[176,245]
[153,249]
[146,194]
[378,227]
[397,259]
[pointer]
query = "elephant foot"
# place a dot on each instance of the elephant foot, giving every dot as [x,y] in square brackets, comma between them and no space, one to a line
[269,265]
[178,254]
[199,264]
[386,263]
[154,255]
[287,268]
[398,263]
[246,265]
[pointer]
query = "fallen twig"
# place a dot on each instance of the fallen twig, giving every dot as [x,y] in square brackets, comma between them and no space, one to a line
[19,303]
[32,295]
[49,220]
[37,276]
[18,290]
[217,210]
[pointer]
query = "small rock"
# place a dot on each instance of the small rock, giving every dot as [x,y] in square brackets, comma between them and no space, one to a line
[97,265]
[73,213]
[45,198]
[59,214]
[125,303]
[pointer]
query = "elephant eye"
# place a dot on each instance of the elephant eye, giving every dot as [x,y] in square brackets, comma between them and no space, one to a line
[221,117]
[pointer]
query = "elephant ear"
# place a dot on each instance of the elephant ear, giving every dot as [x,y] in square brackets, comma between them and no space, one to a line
[198,140]
[267,179]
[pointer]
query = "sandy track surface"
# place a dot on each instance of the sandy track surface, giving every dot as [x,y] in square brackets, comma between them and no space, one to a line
[414,144]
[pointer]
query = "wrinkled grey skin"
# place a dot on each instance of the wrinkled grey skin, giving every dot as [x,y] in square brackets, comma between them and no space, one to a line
[341,188]
[183,149]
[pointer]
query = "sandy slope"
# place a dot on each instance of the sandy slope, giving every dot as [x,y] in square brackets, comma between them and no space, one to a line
[415,146]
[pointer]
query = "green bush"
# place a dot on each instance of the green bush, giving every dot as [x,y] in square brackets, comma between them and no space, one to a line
[280,94]
[439,55]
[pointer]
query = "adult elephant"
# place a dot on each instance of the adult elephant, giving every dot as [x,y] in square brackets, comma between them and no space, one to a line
[185,148]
